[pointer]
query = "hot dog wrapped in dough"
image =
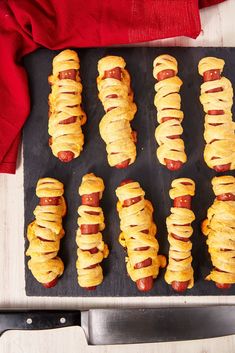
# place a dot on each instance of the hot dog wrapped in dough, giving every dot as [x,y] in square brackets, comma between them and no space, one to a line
[91,247]
[167,100]
[217,100]
[66,115]
[45,232]
[219,227]
[138,235]
[179,272]
[117,98]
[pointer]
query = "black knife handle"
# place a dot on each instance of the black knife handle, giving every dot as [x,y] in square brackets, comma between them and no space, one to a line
[38,320]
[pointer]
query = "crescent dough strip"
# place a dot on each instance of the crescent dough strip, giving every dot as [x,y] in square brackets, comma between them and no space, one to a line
[115,128]
[45,232]
[179,223]
[220,138]
[167,101]
[89,277]
[65,102]
[133,220]
[219,227]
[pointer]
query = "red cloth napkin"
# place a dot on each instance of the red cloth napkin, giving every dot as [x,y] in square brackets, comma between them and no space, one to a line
[26,25]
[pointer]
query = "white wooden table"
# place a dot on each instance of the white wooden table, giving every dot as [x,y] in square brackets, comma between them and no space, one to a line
[218,30]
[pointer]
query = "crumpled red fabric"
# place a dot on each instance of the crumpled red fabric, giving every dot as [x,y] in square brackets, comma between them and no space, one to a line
[26,25]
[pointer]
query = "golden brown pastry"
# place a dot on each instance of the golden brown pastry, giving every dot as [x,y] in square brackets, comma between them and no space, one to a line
[117,98]
[179,272]
[138,235]
[91,247]
[66,115]
[217,100]
[169,115]
[219,227]
[45,232]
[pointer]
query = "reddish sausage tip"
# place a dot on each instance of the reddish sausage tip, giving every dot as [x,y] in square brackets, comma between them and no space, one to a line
[173,165]
[145,284]
[126,181]
[223,285]
[179,286]
[90,288]
[65,156]
[123,164]
[51,284]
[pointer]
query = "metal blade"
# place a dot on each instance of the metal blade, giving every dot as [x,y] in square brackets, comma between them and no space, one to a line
[127,326]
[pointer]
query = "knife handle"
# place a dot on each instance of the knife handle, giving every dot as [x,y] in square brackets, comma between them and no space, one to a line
[38,320]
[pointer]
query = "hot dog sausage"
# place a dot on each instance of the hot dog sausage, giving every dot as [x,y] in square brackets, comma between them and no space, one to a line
[123,164]
[212,75]
[67,156]
[224,197]
[143,284]
[181,202]
[116,73]
[222,285]
[68,74]
[90,200]
[51,284]
[49,201]
[162,75]
[170,164]
[45,201]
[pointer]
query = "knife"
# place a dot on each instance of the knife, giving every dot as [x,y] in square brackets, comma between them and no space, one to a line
[127,326]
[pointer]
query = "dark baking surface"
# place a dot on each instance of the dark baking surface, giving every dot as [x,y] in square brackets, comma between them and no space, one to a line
[153,177]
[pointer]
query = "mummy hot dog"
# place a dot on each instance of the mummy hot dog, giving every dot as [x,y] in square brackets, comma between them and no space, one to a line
[45,232]
[167,101]
[179,272]
[138,235]
[219,227]
[217,99]
[65,114]
[117,99]
[91,248]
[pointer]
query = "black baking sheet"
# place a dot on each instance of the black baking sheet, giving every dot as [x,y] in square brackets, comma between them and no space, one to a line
[153,177]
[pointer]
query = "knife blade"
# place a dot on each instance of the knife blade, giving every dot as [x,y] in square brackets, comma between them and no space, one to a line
[130,326]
